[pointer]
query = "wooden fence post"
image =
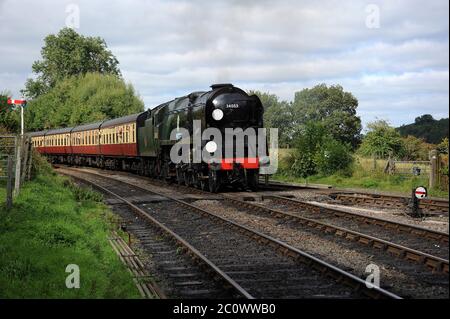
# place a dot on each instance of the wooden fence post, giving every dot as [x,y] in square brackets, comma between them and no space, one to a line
[26,147]
[9,184]
[18,166]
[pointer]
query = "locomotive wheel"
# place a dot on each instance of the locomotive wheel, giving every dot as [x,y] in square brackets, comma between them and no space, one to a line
[187,178]
[165,172]
[201,182]
[198,181]
[253,179]
[195,180]
[213,181]
[180,177]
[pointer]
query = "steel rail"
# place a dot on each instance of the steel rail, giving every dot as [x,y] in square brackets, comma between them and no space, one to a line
[241,291]
[327,269]
[401,227]
[433,262]
[431,205]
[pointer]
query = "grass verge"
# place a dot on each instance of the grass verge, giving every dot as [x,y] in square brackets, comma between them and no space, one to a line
[54,224]
[363,177]
[379,182]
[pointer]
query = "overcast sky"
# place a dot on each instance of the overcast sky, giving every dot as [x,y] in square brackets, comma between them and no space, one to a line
[392,55]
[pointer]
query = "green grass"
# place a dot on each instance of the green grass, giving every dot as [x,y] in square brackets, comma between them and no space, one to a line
[51,225]
[363,177]
[396,183]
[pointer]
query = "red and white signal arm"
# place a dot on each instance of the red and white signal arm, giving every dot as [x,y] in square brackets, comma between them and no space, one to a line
[420,192]
[17,102]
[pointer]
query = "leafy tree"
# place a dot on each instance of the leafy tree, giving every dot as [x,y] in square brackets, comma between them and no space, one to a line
[333,156]
[306,146]
[381,140]
[82,99]
[317,151]
[9,118]
[414,149]
[427,128]
[67,54]
[443,146]
[277,114]
[332,106]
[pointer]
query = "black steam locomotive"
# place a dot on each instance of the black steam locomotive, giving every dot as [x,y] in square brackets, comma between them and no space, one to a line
[148,142]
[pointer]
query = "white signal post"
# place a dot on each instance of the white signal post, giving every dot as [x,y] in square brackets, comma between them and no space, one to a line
[22,104]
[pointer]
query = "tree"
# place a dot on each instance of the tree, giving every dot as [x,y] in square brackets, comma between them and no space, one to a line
[332,106]
[67,54]
[381,140]
[277,114]
[9,118]
[443,146]
[82,99]
[427,128]
[317,151]
[333,156]
[426,118]
[414,149]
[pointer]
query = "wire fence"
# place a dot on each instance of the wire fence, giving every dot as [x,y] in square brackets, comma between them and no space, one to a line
[412,167]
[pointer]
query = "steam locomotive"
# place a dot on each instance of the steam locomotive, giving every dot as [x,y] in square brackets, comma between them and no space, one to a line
[142,142]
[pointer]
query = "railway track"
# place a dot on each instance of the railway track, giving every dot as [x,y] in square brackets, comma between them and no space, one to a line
[429,206]
[408,242]
[253,264]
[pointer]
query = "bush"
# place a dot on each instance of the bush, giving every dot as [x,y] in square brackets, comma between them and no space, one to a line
[332,157]
[40,165]
[318,152]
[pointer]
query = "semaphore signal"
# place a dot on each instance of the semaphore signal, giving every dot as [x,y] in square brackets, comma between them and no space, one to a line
[22,104]
[16,102]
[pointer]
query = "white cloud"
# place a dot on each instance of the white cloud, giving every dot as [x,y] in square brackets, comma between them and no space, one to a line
[169,48]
